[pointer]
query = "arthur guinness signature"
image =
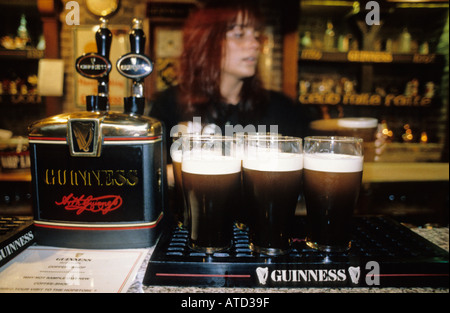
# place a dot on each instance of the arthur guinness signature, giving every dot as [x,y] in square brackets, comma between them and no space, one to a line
[103,204]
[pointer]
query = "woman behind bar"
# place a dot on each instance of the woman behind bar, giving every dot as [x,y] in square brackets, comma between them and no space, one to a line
[218,79]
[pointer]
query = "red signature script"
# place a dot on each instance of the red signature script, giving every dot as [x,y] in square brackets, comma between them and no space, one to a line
[103,204]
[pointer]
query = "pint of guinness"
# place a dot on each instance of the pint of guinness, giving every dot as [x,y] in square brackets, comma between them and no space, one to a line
[272,178]
[332,175]
[211,174]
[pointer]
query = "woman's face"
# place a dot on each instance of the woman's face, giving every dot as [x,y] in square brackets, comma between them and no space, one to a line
[242,47]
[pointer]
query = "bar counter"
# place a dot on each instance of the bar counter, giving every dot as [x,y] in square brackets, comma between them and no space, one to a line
[377,172]
[438,236]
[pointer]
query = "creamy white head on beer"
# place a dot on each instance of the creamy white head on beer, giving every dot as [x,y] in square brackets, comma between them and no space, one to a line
[211,165]
[330,162]
[270,161]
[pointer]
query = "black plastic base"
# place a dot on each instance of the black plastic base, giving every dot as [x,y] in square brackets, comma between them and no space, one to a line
[384,253]
[16,234]
[98,239]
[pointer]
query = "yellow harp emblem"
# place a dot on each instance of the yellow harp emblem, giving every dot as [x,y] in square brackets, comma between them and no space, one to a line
[84,135]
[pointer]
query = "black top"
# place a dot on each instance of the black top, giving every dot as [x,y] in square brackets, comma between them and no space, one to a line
[277,109]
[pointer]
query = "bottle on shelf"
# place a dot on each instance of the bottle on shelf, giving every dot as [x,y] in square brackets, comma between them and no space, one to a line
[344,43]
[329,37]
[405,41]
[23,37]
[306,41]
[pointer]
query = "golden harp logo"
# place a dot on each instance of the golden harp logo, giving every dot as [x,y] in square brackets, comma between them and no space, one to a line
[83,137]
[83,134]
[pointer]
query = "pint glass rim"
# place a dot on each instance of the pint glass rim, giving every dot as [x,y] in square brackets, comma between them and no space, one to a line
[204,136]
[279,138]
[343,139]
[211,148]
[208,137]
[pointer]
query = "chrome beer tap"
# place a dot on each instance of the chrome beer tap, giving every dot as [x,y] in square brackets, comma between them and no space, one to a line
[136,66]
[106,161]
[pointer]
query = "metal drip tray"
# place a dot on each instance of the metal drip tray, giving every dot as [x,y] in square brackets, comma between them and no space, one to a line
[384,253]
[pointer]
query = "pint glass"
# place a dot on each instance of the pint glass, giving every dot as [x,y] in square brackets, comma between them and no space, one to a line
[211,174]
[180,212]
[242,214]
[332,176]
[272,178]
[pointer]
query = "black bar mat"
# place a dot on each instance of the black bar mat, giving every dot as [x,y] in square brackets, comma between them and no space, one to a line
[16,233]
[384,253]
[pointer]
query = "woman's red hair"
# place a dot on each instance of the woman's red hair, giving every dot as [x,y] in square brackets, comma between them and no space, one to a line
[201,60]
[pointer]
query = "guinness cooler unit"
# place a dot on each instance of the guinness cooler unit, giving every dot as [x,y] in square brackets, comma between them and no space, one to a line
[99,177]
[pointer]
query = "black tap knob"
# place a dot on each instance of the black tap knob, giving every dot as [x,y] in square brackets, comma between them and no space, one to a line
[103,38]
[97,66]
[136,66]
[137,37]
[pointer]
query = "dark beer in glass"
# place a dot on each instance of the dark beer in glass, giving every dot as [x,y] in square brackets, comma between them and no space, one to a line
[272,178]
[332,174]
[211,174]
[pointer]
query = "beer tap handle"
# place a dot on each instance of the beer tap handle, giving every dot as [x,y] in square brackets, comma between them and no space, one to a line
[136,66]
[137,37]
[97,66]
[103,38]
[137,44]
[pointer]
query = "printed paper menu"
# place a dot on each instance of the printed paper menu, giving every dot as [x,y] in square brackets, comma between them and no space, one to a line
[42,269]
